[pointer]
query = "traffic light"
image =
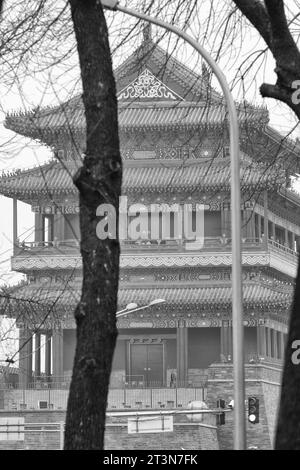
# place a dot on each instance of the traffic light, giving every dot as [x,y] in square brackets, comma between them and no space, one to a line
[221,415]
[253,410]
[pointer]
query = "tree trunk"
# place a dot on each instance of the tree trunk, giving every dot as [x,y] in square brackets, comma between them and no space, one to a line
[98,181]
[288,424]
[269,19]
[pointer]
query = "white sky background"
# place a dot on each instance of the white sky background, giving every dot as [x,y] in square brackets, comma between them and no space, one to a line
[59,83]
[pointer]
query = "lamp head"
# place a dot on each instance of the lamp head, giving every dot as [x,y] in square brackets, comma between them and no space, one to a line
[110,4]
[157,301]
[131,306]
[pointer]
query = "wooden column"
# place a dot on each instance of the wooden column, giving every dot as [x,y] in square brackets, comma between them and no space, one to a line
[258,225]
[244,223]
[273,234]
[226,341]
[226,220]
[48,355]
[57,354]
[266,220]
[25,357]
[38,227]
[30,357]
[275,344]
[15,223]
[37,355]
[59,227]
[182,353]
[293,241]
[269,342]
[261,341]
[181,228]
[222,221]
[282,345]
[249,228]
[286,238]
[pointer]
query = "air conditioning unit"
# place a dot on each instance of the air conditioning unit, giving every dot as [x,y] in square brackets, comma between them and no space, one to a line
[43,405]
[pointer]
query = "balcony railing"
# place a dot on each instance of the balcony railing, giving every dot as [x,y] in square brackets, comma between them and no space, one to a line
[282,248]
[44,245]
[55,397]
[215,244]
[219,243]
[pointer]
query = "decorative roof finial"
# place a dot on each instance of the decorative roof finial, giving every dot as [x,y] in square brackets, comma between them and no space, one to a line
[147,33]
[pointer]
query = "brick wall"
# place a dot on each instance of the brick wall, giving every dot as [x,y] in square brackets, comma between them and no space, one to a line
[220,385]
[35,439]
[271,393]
[187,435]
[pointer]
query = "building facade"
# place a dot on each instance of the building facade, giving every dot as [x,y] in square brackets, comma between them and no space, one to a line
[175,150]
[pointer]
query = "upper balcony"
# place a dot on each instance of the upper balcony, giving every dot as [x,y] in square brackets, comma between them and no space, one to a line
[215,251]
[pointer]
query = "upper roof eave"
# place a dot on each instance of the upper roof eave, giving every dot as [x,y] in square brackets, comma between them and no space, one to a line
[56,178]
[43,124]
[38,295]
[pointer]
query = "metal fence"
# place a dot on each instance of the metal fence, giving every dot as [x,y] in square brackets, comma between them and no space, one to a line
[56,399]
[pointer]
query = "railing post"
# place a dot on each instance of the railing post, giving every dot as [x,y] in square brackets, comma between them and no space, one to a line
[61,435]
[15,224]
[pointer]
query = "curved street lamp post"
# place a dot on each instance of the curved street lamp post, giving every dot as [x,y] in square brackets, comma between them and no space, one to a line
[237,305]
[133,307]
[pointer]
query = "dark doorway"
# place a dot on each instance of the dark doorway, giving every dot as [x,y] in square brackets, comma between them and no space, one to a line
[147,364]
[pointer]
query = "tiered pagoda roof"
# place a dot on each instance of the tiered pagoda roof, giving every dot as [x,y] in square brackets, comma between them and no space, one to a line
[41,125]
[33,296]
[56,178]
[154,90]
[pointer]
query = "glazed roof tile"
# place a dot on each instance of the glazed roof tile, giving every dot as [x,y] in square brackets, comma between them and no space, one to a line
[35,295]
[201,105]
[39,124]
[56,178]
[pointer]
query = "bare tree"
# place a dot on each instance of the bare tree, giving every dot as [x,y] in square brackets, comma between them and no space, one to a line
[99,182]
[270,20]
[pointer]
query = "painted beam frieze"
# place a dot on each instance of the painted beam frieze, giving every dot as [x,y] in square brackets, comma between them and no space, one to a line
[170,321]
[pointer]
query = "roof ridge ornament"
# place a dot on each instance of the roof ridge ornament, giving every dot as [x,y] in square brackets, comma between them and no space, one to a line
[148,86]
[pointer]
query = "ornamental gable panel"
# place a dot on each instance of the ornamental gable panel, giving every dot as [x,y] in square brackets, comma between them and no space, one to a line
[148,87]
